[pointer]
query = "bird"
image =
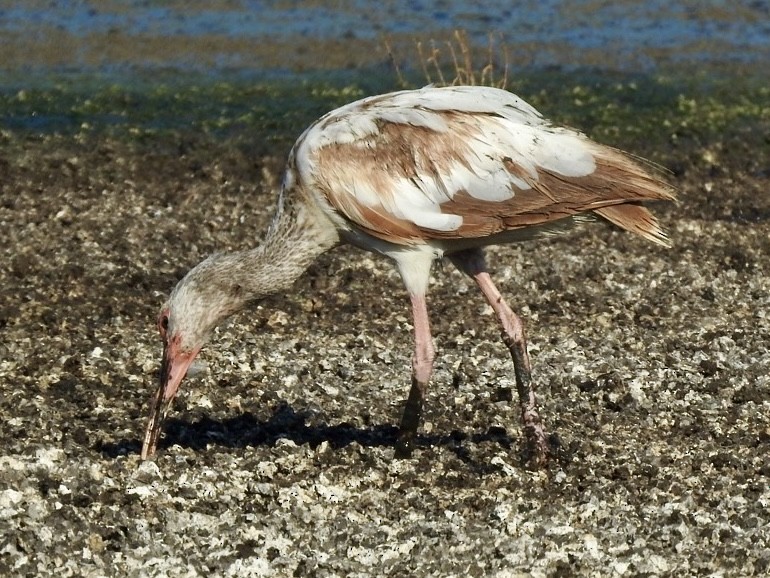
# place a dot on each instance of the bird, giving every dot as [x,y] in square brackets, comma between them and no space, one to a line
[417,176]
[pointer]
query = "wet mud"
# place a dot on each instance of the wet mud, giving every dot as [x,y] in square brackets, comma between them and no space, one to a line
[650,364]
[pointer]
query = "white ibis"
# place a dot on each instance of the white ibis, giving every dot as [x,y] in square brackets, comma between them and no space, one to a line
[415,175]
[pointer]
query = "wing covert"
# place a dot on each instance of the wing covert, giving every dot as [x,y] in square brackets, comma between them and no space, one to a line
[456,162]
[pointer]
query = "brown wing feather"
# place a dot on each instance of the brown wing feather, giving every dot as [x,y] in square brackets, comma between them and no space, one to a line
[614,190]
[383,225]
[636,219]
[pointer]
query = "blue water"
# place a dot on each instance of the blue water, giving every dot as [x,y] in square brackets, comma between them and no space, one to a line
[633,33]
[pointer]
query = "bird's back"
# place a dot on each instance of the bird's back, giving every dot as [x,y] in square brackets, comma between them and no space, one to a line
[465,165]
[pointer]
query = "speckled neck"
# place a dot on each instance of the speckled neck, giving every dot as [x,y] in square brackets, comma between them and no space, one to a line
[224,283]
[299,234]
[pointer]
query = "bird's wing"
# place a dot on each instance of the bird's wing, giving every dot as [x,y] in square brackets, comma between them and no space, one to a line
[459,162]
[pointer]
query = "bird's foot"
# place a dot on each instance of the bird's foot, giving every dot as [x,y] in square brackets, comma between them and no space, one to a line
[541,449]
[536,451]
[410,421]
[405,444]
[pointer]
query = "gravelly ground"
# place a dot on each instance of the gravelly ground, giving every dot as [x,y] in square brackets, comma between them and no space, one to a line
[652,366]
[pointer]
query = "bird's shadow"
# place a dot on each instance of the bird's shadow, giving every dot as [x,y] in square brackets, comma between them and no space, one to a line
[246,430]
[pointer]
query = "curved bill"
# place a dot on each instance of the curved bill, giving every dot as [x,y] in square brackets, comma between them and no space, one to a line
[173,369]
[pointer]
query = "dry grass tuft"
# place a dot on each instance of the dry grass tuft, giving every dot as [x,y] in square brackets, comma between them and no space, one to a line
[466,69]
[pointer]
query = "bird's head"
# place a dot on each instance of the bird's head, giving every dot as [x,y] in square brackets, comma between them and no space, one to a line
[198,303]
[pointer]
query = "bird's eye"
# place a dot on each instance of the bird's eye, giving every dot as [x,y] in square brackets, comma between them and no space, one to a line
[163,324]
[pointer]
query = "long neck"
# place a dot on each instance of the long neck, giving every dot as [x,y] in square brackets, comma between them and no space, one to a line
[298,235]
[224,283]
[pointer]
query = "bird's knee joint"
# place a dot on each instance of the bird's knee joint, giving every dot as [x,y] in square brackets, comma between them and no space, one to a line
[422,362]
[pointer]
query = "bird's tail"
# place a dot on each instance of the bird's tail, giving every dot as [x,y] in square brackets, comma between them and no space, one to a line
[633,182]
[637,219]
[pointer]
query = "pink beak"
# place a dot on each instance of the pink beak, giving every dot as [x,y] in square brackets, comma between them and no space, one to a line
[175,365]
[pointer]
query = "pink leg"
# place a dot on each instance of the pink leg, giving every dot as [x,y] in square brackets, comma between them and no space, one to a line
[472,263]
[422,367]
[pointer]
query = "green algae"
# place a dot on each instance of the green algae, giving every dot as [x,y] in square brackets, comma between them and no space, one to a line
[649,112]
